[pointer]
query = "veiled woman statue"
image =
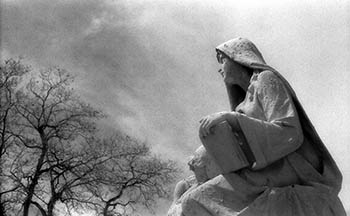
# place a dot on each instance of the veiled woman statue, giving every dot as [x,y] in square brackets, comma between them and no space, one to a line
[283,167]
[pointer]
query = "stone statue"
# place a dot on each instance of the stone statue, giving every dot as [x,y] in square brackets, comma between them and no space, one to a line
[270,162]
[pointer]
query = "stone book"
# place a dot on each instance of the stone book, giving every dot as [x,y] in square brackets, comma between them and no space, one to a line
[225,147]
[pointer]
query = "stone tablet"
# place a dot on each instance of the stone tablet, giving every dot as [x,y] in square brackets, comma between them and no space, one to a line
[224,147]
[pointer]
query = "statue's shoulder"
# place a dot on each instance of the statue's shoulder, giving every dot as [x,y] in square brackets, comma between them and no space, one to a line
[268,79]
[266,75]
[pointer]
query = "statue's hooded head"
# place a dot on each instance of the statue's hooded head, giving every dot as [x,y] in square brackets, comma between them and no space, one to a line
[245,53]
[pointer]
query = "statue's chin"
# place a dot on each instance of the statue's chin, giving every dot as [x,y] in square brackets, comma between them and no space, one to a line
[229,81]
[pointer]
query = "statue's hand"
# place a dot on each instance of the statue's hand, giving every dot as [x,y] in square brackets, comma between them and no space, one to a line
[208,122]
[180,188]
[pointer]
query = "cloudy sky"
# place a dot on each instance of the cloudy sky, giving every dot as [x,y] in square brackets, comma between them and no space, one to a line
[150,64]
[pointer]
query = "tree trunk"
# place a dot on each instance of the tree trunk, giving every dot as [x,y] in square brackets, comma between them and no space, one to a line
[105,210]
[41,209]
[51,206]
[2,207]
[109,203]
[34,182]
[2,148]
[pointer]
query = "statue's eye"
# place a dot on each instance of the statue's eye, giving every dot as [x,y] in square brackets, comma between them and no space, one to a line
[221,72]
[220,58]
[223,60]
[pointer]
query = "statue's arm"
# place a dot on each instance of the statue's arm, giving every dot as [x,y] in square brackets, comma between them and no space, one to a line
[280,133]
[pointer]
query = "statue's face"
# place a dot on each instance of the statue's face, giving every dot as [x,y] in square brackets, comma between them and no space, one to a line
[231,71]
[203,165]
[197,164]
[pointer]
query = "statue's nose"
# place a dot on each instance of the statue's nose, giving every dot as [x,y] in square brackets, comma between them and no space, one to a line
[221,71]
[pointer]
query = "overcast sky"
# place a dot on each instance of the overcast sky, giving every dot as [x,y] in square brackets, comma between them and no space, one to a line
[151,66]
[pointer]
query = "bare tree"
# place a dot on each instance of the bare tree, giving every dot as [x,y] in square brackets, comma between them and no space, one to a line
[109,175]
[11,72]
[59,157]
[71,172]
[134,177]
[52,118]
